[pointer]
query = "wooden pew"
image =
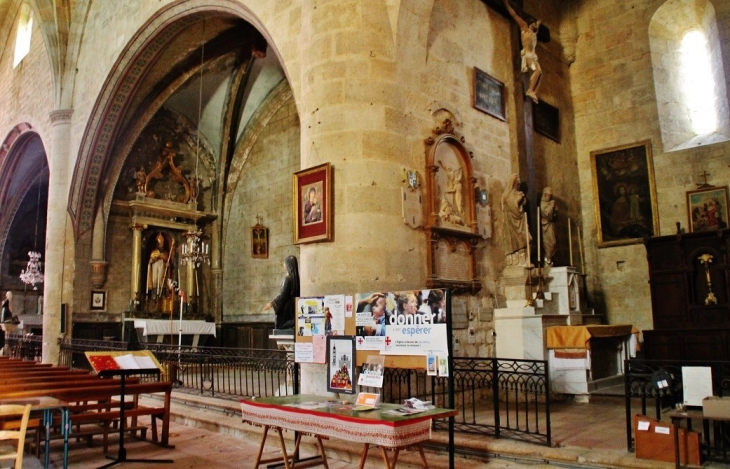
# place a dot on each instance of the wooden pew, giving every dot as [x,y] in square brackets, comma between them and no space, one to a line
[95,404]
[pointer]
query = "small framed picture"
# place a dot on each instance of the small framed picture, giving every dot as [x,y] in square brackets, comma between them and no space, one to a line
[98,300]
[489,94]
[313,204]
[341,362]
[259,242]
[707,209]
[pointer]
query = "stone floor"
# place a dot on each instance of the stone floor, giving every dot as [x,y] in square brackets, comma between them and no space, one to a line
[208,433]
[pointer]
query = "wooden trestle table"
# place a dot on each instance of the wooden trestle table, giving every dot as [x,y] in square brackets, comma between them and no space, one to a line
[324,418]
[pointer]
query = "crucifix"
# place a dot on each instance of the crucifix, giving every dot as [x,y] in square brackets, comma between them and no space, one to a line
[527,68]
[704,184]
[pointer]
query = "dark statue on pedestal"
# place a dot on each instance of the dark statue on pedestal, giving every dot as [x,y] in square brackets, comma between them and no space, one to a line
[283,304]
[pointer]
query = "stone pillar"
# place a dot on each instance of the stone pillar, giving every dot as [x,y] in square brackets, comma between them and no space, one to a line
[134,290]
[59,235]
[353,117]
[216,273]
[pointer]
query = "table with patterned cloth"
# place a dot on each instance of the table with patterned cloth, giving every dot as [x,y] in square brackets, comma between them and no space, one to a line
[321,418]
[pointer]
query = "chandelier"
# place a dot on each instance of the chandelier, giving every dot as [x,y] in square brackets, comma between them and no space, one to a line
[194,250]
[33,273]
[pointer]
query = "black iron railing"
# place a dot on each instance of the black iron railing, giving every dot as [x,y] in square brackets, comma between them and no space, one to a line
[211,371]
[496,397]
[24,346]
[640,383]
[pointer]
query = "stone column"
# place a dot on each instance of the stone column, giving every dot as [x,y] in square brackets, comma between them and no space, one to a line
[353,117]
[59,235]
[134,291]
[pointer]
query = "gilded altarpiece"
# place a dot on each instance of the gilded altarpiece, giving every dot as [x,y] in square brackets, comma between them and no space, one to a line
[451,222]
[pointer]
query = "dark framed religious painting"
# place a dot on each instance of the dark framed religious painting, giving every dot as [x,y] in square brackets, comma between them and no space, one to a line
[488,94]
[98,300]
[259,242]
[546,120]
[624,193]
[313,204]
[341,364]
[707,209]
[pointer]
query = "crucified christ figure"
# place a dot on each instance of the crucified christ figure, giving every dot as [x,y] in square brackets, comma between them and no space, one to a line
[528,33]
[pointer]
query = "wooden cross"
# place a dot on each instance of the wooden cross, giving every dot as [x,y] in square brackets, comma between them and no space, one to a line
[704,175]
[527,162]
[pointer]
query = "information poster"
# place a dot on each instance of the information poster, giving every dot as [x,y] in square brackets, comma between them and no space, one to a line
[409,322]
[320,315]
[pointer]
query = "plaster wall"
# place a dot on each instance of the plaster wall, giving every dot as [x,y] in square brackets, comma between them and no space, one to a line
[615,104]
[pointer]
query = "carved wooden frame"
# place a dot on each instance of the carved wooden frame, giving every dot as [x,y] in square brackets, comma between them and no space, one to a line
[436,228]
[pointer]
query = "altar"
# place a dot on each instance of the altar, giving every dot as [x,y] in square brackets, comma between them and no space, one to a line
[164,327]
[581,358]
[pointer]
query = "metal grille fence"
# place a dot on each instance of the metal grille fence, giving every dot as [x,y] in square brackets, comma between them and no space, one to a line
[496,397]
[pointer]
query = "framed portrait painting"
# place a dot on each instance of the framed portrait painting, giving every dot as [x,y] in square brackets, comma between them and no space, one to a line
[625,194]
[707,209]
[313,204]
[340,364]
[98,300]
[488,94]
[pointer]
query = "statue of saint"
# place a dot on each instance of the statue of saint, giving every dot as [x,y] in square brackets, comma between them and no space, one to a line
[283,304]
[141,180]
[158,268]
[513,207]
[528,34]
[5,313]
[454,187]
[548,215]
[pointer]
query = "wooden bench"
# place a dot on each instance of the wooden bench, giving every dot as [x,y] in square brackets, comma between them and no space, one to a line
[96,405]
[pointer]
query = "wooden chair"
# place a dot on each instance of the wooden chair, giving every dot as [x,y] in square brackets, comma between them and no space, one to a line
[8,413]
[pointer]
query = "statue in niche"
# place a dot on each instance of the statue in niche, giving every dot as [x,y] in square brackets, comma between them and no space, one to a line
[454,188]
[548,215]
[515,229]
[283,304]
[158,273]
[528,34]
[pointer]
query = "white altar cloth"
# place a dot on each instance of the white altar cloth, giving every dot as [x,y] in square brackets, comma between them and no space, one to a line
[167,327]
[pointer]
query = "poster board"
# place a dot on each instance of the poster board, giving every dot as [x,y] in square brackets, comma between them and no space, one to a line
[404,327]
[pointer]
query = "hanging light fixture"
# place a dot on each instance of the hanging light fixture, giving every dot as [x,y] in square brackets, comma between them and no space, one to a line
[195,250]
[33,273]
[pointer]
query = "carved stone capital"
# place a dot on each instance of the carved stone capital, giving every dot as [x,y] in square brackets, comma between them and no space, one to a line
[61,116]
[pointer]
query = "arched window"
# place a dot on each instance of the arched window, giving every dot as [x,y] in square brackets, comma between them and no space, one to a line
[689,78]
[22,37]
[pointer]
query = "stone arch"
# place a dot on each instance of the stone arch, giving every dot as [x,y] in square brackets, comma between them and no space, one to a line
[23,166]
[104,123]
[669,25]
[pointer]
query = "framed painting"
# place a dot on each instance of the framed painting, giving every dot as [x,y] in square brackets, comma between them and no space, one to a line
[259,242]
[624,192]
[340,364]
[546,120]
[488,94]
[707,209]
[313,204]
[98,300]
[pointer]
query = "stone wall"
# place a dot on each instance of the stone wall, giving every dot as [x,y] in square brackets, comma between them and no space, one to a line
[615,104]
[264,190]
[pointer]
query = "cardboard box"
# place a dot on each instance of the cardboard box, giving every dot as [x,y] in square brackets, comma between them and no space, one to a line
[654,440]
[714,407]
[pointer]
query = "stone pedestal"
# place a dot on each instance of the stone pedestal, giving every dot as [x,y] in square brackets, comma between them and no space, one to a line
[565,283]
[519,333]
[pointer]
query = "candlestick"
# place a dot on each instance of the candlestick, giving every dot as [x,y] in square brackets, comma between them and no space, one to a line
[539,232]
[527,238]
[580,251]
[570,241]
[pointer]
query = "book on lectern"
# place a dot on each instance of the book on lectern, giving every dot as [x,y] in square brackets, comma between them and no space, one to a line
[137,360]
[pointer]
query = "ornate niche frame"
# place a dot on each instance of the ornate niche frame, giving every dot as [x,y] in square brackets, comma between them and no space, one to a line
[451,225]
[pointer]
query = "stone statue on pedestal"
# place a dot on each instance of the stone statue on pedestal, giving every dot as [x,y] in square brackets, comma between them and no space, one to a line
[548,215]
[514,226]
[283,304]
